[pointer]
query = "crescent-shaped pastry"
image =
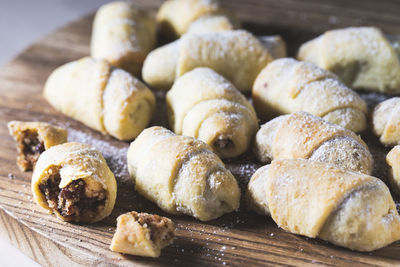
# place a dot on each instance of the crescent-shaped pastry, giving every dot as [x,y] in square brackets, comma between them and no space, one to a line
[123,35]
[206,106]
[237,55]
[32,139]
[211,23]
[109,100]
[288,136]
[73,181]
[287,85]
[175,17]
[349,209]
[181,175]
[386,121]
[361,56]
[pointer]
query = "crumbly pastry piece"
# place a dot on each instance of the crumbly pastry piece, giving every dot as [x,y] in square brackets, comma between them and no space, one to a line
[109,100]
[386,121]
[288,136]
[287,85]
[361,56]
[206,106]
[175,17]
[393,160]
[142,234]
[32,139]
[349,209]
[237,55]
[123,35]
[181,175]
[73,181]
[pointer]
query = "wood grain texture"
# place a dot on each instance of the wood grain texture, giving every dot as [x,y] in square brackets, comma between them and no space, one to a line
[236,239]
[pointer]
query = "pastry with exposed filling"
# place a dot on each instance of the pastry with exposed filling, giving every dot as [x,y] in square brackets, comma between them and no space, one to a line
[32,139]
[142,234]
[73,181]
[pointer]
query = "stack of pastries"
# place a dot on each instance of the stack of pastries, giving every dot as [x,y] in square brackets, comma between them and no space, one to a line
[317,179]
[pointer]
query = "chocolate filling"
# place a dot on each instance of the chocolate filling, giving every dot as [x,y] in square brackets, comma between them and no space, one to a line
[157,226]
[223,142]
[30,147]
[71,201]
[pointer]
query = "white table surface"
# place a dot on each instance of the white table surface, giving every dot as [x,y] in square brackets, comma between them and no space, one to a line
[23,22]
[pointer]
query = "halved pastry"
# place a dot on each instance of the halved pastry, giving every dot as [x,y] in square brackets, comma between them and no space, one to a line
[32,139]
[142,234]
[73,181]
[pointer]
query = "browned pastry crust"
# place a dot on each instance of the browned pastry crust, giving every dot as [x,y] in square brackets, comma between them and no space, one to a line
[302,135]
[142,234]
[73,181]
[314,199]
[32,139]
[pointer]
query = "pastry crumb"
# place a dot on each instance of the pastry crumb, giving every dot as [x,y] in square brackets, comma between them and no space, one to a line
[142,234]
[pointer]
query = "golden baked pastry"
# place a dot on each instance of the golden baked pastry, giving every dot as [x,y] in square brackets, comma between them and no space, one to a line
[73,181]
[256,194]
[393,160]
[348,209]
[109,100]
[123,35]
[142,234]
[211,23]
[302,135]
[361,56]
[287,85]
[175,17]
[206,106]
[386,121]
[32,139]
[181,175]
[237,55]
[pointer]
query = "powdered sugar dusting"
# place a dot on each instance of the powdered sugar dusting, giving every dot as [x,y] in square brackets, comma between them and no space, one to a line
[115,157]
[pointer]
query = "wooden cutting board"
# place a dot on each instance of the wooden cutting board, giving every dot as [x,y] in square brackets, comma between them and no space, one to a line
[237,239]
